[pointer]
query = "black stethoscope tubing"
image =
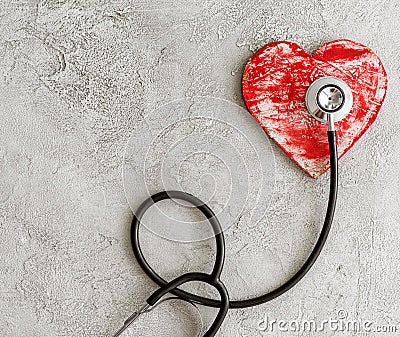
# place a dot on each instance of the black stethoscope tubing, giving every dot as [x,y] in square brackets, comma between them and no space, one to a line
[219,261]
[212,279]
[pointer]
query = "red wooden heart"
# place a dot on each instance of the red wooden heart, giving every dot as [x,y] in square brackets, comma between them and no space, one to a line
[275,82]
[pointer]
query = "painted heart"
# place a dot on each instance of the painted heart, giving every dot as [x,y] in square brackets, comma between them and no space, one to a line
[274,85]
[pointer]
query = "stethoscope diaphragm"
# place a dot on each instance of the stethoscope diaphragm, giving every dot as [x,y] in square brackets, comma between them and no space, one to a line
[329,99]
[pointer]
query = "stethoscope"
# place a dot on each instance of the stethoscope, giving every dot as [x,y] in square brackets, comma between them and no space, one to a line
[328,100]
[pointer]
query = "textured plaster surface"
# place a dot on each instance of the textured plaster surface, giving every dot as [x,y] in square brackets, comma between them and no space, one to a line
[77,78]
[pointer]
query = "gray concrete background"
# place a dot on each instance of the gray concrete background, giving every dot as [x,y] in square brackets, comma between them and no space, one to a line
[77,77]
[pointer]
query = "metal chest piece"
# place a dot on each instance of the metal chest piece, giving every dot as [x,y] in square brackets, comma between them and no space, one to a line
[329,99]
